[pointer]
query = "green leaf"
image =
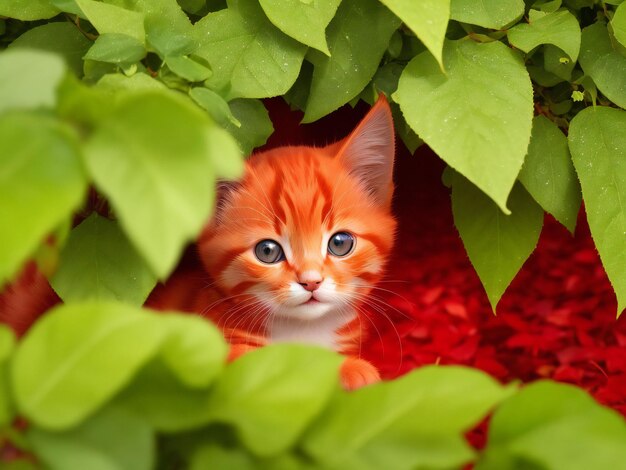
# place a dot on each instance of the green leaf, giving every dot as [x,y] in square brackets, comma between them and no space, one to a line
[597,140]
[68,6]
[164,402]
[560,28]
[603,63]
[415,421]
[479,115]
[557,427]
[98,262]
[95,70]
[41,183]
[256,125]
[249,57]
[112,19]
[549,6]
[428,19]
[270,389]
[497,244]
[556,62]
[214,456]
[618,23]
[215,105]
[113,439]
[77,357]
[116,49]
[194,349]
[171,392]
[357,38]
[168,29]
[83,105]
[118,82]
[27,10]
[20,464]
[7,345]
[64,39]
[154,148]
[494,14]
[22,85]
[225,154]
[305,21]
[188,68]
[548,173]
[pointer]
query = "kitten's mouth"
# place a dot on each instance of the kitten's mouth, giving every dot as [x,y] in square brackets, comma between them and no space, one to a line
[311,301]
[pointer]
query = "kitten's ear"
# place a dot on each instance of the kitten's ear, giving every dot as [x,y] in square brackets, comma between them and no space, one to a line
[368,152]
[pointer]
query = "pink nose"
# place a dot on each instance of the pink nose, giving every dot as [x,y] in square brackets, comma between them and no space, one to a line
[311,285]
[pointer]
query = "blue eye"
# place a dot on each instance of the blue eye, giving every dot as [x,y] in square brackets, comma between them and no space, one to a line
[269,252]
[341,244]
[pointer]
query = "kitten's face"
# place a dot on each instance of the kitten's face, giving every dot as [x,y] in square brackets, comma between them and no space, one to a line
[307,231]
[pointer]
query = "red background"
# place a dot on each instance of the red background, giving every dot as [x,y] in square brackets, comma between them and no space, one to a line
[557,319]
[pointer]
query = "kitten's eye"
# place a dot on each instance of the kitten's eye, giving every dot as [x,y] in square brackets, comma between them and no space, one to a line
[341,244]
[269,252]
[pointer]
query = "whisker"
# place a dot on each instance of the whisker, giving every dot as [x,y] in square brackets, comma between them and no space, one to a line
[397,334]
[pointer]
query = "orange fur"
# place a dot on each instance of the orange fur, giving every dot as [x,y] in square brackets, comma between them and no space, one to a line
[299,196]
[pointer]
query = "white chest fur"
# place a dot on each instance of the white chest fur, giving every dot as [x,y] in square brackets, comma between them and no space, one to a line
[319,331]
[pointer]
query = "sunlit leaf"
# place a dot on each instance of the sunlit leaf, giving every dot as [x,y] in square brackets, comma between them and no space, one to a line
[164,402]
[27,10]
[559,28]
[77,357]
[581,434]
[597,140]
[154,148]
[108,18]
[412,422]
[497,244]
[256,126]
[171,393]
[41,183]
[603,63]
[117,49]
[249,56]
[188,68]
[113,439]
[477,116]
[225,154]
[357,39]
[270,388]
[428,19]
[215,105]
[305,21]
[194,349]
[619,24]
[22,85]
[493,14]
[548,173]
[62,38]
[169,31]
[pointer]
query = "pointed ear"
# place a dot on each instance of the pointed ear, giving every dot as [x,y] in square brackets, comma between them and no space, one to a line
[368,152]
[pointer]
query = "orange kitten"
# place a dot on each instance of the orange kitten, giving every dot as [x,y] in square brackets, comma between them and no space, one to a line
[298,243]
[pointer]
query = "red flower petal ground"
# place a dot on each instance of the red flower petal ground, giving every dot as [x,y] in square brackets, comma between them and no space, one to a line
[557,319]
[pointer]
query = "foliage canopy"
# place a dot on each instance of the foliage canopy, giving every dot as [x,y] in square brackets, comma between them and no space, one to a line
[118,116]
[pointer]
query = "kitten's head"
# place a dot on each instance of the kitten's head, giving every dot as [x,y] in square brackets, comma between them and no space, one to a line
[307,230]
